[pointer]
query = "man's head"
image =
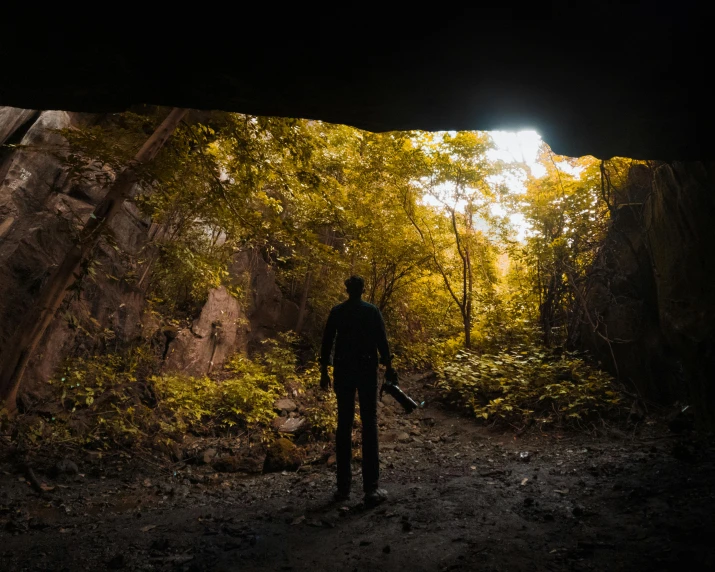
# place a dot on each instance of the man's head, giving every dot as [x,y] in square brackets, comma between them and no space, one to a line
[355,286]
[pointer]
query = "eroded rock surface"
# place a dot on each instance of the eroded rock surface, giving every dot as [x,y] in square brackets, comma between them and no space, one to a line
[40,209]
[218,332]
[651,295]
[269,311]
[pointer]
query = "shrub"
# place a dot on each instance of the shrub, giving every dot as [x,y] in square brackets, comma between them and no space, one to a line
[119,399]
[200,403]
[278,358]
[320,413]
[104,399]
[528,383]
[243,394]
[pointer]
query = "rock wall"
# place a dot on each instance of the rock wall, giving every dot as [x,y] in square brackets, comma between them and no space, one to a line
[681,236]
[40,209]
[269,312]
[226,325]
[221,330]
[12,120]
[651,289]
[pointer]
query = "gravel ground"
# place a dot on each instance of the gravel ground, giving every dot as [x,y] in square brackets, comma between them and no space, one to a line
[462,497]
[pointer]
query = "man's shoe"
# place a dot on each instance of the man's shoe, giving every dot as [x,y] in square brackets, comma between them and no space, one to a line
[375,497]
[341,496]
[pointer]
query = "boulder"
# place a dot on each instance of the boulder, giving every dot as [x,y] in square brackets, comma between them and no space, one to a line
[285,404]
[289,424]
[250,270]
[282,455]
[218,332]
[66,466]
[207,456]
[237,464]
[268,311]
[403,437]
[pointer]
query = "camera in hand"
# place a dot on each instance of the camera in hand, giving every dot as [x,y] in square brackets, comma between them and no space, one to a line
[391,387]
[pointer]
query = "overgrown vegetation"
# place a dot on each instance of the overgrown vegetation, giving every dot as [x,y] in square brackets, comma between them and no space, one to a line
[427,219]
[530,384]
[120,400]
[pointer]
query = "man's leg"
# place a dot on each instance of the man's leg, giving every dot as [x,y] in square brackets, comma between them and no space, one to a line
[345,393]
[367,393]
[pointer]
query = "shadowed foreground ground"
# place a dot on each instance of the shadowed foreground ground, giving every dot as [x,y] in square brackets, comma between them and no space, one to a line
[461,498]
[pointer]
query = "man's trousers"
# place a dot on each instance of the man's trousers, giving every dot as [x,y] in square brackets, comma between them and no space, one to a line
[346,384]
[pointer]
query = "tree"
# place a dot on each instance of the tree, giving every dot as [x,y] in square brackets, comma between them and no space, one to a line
[567,219]
[457,179]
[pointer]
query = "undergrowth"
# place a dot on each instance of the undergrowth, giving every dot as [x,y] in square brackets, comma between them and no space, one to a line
[122,400]
[527,384]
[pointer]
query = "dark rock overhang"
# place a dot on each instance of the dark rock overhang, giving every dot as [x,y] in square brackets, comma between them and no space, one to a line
[593,78]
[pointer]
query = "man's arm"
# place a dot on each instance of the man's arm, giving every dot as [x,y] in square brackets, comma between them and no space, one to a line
[382,345]
[331,327]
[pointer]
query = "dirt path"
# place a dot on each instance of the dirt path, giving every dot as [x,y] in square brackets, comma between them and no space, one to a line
[461,498]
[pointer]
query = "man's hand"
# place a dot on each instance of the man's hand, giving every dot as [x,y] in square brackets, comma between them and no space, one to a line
[390,374]
[325,382]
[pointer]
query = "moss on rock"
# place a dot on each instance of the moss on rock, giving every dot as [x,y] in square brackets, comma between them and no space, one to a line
[282,455]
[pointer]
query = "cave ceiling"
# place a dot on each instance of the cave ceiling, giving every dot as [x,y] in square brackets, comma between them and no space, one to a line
[605,79]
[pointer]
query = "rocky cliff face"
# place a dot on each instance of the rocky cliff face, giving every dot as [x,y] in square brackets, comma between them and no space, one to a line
[41,209]
[682,245]
[651,298]
[269,311]
[220,330]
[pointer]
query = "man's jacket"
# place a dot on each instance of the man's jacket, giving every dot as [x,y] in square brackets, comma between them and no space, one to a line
[359,334]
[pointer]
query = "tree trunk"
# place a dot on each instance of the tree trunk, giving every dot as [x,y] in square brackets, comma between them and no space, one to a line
[467,332]
[547,310]
[469,295]
[40,315]
[303,303]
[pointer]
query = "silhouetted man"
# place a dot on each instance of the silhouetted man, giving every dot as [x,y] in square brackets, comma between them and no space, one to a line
[359,334]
